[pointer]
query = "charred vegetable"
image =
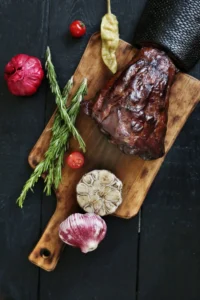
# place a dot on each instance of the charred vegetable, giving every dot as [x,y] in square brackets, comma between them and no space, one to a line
[100,192]
[110,39]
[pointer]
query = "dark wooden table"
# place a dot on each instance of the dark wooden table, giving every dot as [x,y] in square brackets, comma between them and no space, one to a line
[154,256]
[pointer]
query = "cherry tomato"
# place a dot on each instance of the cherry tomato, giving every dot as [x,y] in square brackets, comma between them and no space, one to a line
[77,28]
[75,160]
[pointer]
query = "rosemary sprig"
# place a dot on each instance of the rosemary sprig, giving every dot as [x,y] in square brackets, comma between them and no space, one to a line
[58,122]
[67,89]
[52,163]
[61,130]
[65,94]
[58,148]
[58,97]
[59,145]
[38,171]
[73,112]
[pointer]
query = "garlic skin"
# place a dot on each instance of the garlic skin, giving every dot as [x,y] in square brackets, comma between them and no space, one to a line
[99,192]
[84,231]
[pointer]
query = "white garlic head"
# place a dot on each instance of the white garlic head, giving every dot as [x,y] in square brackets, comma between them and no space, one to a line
[84,231]
[99,192]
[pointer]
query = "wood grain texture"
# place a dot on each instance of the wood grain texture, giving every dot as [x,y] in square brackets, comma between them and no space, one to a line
[168,239]
[136,174]
[97,74]
[171,223]
[109,272]
[23,28]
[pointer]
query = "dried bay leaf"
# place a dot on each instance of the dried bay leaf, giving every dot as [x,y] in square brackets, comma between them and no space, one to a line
[110,39]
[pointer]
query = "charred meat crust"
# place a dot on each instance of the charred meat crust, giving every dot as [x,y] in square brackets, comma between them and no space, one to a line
[132,109]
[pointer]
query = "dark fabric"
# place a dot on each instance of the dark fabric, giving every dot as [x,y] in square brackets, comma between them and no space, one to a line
[174,25]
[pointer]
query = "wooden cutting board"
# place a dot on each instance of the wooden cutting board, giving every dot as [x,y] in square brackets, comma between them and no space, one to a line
[137,175]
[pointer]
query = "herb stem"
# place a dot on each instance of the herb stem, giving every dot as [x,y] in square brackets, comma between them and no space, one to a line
[52,163]
[60,138]
[58,97]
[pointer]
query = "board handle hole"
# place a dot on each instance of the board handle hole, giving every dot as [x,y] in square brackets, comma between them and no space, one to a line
[45,253]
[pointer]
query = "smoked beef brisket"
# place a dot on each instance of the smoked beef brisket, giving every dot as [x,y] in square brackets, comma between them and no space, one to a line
[132,109]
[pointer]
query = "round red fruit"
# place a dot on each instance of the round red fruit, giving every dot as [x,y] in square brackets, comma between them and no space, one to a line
[24,75]
[77,29]
[75,160]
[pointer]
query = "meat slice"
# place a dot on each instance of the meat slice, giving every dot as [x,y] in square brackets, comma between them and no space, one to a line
[132,109]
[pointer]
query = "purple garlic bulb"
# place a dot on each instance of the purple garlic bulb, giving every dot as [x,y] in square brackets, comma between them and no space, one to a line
[84,231]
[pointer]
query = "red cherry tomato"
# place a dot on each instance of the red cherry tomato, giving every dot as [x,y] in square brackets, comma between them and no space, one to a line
[75,160]
[77,28]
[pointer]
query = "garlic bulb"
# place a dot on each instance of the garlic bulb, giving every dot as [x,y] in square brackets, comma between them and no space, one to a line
[84,231]
[99,192]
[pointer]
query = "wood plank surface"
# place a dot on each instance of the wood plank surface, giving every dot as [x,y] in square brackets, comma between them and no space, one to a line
[136,174]
[167,242]
[100,153]
[110,272]
[169,259]
[23,28]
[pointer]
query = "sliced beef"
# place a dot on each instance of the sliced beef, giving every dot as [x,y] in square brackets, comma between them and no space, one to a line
[132,109]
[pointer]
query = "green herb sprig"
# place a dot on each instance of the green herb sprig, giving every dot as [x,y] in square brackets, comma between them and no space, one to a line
[62,128]
[59,99]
